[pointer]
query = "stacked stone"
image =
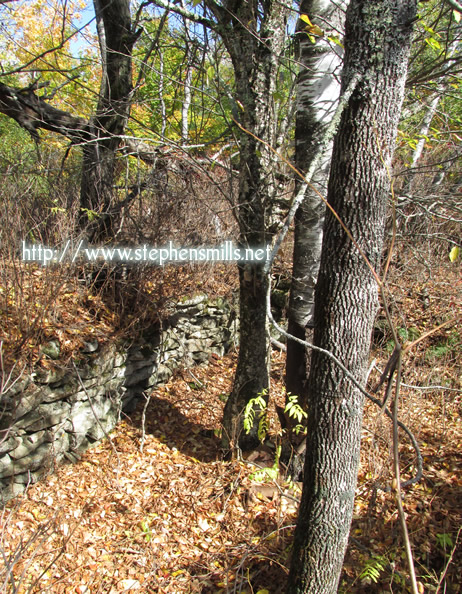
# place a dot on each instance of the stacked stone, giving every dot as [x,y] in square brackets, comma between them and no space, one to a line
[52,416]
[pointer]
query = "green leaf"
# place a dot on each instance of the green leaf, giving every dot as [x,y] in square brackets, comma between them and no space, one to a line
[278,96]
[55,209]
[91,214]
[454,253]
[311,29]
[335,39]
[433,43]
[444,540]
[262,475]
[457,15]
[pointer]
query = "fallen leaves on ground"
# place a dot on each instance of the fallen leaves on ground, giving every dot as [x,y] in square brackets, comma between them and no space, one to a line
[173,517]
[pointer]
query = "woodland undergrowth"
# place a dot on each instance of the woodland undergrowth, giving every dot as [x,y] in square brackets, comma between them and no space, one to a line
[175,517]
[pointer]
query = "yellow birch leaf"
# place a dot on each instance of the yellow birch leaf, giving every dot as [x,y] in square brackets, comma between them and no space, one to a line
[454,253]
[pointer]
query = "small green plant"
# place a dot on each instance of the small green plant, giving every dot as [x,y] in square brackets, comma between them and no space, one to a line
[295,411]
[146,529]
[91,214]
[263,474]
[373,569]
[404,335]
[444,542]
[257,403]
[447,345]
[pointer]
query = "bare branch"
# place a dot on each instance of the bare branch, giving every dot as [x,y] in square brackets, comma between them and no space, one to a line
[33,112]
[195,18]
[455,5]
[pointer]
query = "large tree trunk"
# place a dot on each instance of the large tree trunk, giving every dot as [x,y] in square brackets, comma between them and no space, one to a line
[318,89]
[254,34]
[100,138]
[378,34]
[100,156]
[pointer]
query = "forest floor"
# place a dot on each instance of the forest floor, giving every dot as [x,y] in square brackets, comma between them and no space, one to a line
[156,509]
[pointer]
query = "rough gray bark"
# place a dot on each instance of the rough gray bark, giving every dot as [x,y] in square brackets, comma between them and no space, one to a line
[254,35]
[378,35]
[33,113]
[113,109]
[318,88]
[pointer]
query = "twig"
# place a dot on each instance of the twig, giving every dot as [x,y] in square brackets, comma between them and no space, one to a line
[196,379]
[397,482]
[279,345]
[250,551]
[143,419]
[7,384]
[414,387]
[430,388]
[419,460]
[411,345]
[233,487]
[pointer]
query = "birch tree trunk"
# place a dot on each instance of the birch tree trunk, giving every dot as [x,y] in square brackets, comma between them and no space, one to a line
[318,89]
[187,82]
[440,91]
[377,41]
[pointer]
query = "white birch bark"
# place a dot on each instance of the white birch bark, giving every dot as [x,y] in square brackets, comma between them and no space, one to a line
[318,90]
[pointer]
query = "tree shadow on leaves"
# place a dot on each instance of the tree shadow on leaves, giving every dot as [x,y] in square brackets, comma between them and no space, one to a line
[167,423]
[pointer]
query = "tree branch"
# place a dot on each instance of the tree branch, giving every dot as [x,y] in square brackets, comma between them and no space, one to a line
[184,12]
[32,112]
[455,5]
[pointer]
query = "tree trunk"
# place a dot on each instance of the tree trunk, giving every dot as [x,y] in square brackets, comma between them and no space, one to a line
[254,35]
[100,156]
[318,89]
[187,98]
[253,367]
[377,41]
[100,138]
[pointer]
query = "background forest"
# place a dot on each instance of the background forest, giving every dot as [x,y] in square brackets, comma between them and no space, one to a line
[138,123]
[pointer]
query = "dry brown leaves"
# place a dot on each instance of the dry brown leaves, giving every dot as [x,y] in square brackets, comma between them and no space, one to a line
[172,518]
[66,304]
[175,518]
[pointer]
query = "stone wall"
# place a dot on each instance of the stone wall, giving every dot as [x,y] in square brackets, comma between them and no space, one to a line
[53,416]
